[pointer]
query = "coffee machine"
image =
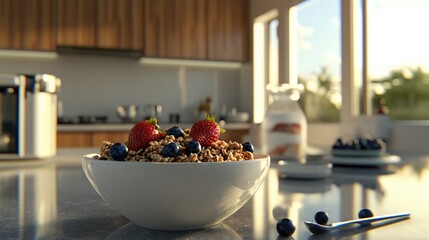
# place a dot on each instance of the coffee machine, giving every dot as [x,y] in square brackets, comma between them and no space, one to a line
[28,115]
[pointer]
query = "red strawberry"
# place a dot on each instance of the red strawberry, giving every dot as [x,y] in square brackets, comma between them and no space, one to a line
[161,134]
[206,131]
[142,133]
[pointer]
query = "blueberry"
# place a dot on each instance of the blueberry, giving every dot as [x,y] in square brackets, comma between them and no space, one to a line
[285,227]
[321,217]
[363,143]
[118,151]
[346,145]
[176,132]
[373,144]
[193,147]
[247,146]
[356,144]
[339,144]
[365,213]
[376,144]
[170,150]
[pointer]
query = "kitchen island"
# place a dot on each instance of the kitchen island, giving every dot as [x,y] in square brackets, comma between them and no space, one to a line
[52,199]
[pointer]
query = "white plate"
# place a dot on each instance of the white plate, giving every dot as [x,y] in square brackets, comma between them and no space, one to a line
[292,169]
[311,153]
[357,153]
[385,159]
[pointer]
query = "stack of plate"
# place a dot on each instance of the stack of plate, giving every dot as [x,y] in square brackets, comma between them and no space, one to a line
[309,169]
[362,157]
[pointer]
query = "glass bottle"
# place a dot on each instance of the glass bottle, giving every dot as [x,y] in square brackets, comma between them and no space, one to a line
[284,129]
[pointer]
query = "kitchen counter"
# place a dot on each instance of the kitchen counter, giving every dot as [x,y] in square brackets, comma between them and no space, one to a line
[92,135]
[118,127]
[52,199]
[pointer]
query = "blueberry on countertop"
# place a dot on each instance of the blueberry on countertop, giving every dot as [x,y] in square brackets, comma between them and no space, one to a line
[193,147]
[171,150]
[365,213]
[176,132]
[118,151]
[285,227]
[321,217]
[247,146]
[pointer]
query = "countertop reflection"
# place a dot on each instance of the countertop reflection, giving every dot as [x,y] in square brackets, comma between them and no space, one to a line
[52,199]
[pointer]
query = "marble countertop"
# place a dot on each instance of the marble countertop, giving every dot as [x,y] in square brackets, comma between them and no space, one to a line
[52,199]
[117,127]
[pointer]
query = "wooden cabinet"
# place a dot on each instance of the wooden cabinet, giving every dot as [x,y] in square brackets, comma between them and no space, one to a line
[89,139]
[107,24]
[27,25]
[228,30]
[74,139]
[234,135]
[76,23]
[182,29]
[99,137]
[120,24]
[95,139]
[176,29]
[197,29]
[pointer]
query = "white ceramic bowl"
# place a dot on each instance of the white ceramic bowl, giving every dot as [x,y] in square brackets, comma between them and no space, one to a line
[239,117]
[176,196]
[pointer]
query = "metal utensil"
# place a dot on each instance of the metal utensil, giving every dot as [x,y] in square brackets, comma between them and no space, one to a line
[127,113]
[318,228]
[152,111]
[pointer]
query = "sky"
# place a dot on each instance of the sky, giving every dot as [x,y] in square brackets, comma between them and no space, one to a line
[397,36]
[319,36]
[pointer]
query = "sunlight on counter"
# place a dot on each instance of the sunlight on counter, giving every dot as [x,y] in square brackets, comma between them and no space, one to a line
[36,191]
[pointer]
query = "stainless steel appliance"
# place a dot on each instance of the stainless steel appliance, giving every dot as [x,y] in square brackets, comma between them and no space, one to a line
[28,116]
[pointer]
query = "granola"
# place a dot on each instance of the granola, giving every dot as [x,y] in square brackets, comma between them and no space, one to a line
[219,151]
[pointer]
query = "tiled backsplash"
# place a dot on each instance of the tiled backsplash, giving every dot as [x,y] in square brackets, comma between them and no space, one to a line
[96,85]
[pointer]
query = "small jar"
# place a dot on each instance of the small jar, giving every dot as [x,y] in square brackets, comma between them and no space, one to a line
[284,129]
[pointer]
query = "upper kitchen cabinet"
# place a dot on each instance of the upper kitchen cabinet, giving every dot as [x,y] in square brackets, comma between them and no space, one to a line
[76,23]
[228,30]
[27,25]
[176,29]
[120,24]
[106,24]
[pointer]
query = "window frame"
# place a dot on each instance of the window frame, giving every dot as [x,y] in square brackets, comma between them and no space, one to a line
[350,99]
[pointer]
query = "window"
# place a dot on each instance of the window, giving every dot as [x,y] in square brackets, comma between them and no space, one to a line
[390,58]
[273,52]
[398,57]
[265,60]
[389,66]
[316,29]
[394,32]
